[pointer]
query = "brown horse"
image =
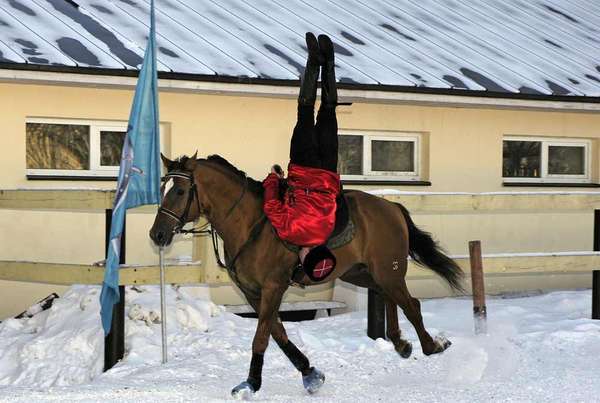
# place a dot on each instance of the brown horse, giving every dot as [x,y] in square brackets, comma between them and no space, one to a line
[261,266]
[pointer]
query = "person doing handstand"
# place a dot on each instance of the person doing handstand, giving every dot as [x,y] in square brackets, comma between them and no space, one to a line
[305,215]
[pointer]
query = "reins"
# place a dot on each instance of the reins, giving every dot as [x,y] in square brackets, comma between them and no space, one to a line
[181,220]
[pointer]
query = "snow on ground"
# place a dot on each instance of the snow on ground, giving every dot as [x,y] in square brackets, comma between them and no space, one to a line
[539,348]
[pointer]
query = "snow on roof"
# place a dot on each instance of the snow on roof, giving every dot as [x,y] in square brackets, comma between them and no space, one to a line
[518,47]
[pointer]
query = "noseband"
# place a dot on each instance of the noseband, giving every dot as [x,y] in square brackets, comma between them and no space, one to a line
[193,193]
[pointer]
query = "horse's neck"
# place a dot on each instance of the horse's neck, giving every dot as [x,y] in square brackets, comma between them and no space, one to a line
[231,216]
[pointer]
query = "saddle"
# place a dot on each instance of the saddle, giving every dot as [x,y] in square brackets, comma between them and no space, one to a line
[343,232]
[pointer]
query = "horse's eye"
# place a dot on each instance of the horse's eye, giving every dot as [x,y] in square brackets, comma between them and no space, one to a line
[180,192]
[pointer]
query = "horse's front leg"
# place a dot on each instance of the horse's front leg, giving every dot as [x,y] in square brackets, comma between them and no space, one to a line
[312,378]
[270,301]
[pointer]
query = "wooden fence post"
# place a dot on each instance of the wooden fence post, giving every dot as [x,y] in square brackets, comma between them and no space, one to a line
[478,287]
[596,295]
[596,273]
[114,342]
[376,315]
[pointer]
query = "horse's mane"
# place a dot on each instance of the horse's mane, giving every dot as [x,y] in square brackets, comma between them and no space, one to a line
[254,186]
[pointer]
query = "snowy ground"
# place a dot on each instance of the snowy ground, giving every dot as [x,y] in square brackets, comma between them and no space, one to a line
[539,348]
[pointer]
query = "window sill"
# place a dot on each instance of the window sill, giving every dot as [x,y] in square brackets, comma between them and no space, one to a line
[369,182]
[70,178]
[551,185]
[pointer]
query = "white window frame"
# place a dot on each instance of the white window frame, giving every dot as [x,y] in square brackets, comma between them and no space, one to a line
[95,150]
[545,177]
[96,169]
[368,173]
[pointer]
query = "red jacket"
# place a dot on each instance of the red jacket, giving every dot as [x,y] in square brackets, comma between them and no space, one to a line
[306,215]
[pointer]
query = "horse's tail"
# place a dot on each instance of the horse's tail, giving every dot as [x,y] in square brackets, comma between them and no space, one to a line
[425,251]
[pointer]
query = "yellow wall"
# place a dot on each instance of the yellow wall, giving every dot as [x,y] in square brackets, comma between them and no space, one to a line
[465,146]
[465,155]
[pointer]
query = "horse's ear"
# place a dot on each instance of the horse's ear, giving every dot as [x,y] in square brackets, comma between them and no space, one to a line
[191,163]
[167,162]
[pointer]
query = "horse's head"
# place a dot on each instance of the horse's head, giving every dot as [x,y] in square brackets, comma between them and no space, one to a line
[180,199]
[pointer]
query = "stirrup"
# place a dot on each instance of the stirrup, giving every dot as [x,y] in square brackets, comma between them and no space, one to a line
[297,276]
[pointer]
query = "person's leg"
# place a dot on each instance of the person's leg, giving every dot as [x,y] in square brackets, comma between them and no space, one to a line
[303,146]
[327,127]
[327,138]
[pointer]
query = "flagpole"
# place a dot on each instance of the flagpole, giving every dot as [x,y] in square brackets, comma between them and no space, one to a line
[163,306]
[161,252]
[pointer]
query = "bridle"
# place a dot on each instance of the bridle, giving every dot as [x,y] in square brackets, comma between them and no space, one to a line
[193,194]
[182,219]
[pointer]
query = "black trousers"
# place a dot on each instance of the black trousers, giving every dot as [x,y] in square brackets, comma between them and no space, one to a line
[315,145]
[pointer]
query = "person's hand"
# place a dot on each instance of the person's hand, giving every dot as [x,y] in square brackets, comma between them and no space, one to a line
[276,169]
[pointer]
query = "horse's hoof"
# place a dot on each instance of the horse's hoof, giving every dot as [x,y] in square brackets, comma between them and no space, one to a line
[405,351]
[313,381]
[441,343]
[244,391]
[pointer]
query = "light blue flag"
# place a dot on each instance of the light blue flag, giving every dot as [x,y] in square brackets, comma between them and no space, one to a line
[139,173]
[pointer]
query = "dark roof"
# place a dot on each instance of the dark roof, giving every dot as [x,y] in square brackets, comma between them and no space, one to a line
[524,48]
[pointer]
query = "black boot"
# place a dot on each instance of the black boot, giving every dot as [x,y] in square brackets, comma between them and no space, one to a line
[308,81]
[328,85]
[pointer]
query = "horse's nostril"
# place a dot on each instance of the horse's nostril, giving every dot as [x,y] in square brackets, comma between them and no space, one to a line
[160,236]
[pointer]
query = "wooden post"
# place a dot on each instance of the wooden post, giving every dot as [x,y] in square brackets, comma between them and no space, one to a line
[596,295]
[114,342]
[596,231]
[596,273]
[477,284]
[376,315]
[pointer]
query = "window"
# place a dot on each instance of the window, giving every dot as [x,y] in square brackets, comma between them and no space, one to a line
[530,159]
[371,155]
[73,147]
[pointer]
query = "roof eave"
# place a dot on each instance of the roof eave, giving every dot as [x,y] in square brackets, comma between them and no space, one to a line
[82,76]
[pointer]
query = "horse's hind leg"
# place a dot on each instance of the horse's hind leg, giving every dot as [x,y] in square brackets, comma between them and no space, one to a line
[411,307]
[402,346]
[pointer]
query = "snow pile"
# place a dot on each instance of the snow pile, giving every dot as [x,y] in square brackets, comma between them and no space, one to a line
[60,346]
[539,348]
[65,344]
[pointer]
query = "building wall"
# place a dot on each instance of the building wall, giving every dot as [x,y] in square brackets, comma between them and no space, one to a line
[464,155]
